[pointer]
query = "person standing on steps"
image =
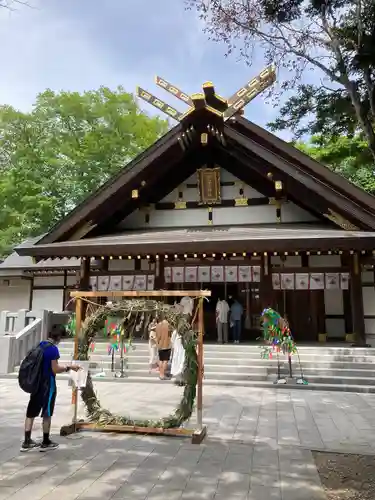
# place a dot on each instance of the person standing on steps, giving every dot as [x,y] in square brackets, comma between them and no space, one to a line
[236,312]
[222,311]
[163,340]
[42,400]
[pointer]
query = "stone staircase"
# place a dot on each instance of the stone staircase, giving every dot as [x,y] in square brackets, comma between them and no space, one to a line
[338,368]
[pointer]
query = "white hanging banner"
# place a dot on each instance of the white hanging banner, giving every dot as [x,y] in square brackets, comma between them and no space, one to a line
[103,283]
[244,274]
[140,283]
[204,274]
[332,281]
[127,282]
[316,281]
[168,275]
[344,281]
[177,274]
[287,281]
[231,274]
[217,274]
[191,274]
[256,274]
[150,282]
[302,281]
[93,283]
[115,283]
[276,283]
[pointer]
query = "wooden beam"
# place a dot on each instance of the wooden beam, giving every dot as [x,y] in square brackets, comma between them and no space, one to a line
[153,293]
[175,91]
[356,295]
[341,203]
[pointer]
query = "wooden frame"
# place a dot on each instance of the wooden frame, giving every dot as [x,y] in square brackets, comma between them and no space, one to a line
[197,434]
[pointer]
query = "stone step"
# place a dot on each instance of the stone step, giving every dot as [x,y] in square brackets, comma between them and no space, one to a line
[264,384]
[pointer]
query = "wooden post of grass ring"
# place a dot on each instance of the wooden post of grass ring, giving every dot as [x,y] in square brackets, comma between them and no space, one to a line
[75,357]
[200,366]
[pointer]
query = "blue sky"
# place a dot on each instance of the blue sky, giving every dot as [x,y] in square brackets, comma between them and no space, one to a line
[83,44]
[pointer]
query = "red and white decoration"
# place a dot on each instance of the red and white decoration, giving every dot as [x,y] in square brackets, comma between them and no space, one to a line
[256,274]
[332,281]
[140,283]
[178,275]
[115,283]
[103,283]
[344,281]
[276,283]
[204,274]
[231,274]
[93,283]
[244,274]
[317,281]
[217,274]
[287,281]
[127,282]
[150,282]
[168,274]
[302,281]
[191,274]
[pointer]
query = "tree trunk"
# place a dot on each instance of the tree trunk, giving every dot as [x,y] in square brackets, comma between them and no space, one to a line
[363,119]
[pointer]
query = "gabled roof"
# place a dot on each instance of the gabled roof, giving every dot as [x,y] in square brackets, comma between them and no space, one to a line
[248,151]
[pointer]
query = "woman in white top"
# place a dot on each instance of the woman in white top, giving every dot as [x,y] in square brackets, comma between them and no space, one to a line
[178,357]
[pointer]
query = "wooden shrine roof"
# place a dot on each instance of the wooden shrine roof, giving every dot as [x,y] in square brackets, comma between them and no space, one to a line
[249,152]
[209,240]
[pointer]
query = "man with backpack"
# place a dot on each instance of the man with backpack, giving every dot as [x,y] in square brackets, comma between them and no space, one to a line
[37,376]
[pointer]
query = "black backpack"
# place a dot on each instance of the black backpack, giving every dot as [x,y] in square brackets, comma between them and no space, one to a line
[31,370]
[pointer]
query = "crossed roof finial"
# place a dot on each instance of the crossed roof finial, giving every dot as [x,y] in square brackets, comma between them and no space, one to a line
[209,99]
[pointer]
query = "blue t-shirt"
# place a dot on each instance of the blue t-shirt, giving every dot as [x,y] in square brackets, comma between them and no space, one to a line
[236,311]
[51,353]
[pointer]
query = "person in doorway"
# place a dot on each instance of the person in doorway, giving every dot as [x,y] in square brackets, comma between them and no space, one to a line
[222,311]
[236,312]
[43,401]
[152,346]
[163,341]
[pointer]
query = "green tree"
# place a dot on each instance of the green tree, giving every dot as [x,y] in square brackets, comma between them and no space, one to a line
[56,155]
[349,157]
[333,38]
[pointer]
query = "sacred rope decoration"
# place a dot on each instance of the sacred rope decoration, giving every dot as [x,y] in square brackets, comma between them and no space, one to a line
[278,339]
[128,313]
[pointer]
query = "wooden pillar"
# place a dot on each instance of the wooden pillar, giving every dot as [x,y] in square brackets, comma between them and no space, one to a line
[159,279]
[266,289]
[357,301]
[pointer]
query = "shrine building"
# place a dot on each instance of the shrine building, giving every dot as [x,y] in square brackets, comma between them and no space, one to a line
[217,203]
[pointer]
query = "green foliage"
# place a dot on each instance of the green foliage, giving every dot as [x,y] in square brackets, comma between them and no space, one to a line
[348,157]
[52,158]
[129,313]
[326,49]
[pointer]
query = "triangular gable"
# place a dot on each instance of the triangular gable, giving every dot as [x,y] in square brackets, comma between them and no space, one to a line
[252,149]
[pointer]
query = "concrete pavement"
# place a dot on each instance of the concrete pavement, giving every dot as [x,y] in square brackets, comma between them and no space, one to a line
[258,447]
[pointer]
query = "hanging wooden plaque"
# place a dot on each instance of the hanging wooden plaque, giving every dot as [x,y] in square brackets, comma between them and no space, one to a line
[209,186]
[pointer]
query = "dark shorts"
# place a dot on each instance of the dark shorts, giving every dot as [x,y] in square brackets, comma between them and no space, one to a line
[164,354]
[43,402]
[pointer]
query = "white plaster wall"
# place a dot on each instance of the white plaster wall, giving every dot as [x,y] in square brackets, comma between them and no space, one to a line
[16,296]
[293,213]
[368,276]
[264,214]
[324,260]
[290,261]
[334,304]
[52,300]
[368,293]
[49,281]
[72,280]
[121,265]
[335,328]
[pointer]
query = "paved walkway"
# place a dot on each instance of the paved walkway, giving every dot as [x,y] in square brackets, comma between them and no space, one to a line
[258,447]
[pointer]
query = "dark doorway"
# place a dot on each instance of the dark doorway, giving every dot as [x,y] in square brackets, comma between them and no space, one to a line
[298,307]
